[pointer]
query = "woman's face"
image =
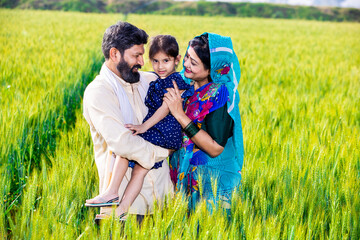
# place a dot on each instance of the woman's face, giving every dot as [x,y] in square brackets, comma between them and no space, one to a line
[195,69]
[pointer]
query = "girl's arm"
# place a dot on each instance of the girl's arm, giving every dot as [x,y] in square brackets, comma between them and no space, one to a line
[160,113]
[202,139]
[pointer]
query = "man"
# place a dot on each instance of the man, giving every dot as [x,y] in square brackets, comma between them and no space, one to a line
[116,97]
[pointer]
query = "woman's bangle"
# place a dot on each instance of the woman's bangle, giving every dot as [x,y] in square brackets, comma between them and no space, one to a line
[191,129]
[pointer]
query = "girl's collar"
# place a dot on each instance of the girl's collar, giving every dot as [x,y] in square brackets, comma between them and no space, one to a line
[166,77]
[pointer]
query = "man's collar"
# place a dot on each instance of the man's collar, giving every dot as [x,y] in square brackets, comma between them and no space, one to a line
[121,80]
[125,83]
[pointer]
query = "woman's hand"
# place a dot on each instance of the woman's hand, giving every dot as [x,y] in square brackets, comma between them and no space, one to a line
[174,101]
[202,139]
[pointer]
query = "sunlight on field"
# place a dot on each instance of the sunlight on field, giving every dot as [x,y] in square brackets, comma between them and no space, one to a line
[300,101]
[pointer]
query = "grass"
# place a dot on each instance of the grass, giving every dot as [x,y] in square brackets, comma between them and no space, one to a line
[299,94]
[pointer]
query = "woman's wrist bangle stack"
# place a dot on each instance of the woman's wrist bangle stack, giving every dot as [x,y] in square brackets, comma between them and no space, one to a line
[191,129]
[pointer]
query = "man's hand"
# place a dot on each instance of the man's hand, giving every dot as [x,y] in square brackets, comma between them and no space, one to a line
[137,129]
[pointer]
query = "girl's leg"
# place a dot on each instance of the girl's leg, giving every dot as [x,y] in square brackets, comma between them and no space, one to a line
[133,188]
[111,192]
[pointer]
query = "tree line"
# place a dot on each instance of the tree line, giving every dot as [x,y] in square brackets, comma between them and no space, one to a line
[201,8]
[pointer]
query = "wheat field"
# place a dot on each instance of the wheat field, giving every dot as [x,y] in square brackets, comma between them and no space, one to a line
[300,98]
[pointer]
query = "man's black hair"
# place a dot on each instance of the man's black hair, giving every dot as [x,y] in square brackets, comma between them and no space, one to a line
[122,36]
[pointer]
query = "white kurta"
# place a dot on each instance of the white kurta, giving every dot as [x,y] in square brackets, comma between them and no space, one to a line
[102,110]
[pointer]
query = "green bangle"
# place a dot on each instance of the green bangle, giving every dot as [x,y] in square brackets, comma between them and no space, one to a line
[191,129]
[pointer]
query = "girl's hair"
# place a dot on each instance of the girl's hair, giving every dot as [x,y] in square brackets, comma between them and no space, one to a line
[201,47]
[164,43]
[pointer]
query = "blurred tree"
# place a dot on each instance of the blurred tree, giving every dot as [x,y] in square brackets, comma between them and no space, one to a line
[9,3]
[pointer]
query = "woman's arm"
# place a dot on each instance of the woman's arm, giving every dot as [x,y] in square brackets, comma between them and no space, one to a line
[202,139]
[160,113]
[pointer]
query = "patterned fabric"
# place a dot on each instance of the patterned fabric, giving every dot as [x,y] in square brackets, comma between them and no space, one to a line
[192,170]
[167,132]
[156,165]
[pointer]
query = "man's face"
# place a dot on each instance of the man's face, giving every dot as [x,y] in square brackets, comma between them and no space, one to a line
[130,63]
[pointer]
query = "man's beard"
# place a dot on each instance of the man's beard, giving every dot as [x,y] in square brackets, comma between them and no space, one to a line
[128,73]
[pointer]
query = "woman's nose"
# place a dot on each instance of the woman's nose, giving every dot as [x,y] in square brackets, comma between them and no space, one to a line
[186,63]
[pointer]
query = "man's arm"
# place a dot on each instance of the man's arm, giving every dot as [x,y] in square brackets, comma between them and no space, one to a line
[106,116]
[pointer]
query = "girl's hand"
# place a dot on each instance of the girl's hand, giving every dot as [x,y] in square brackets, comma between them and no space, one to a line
[174,101]
[137,129]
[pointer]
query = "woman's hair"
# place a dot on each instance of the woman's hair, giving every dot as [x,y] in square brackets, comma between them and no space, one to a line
[164,43]
[200,45]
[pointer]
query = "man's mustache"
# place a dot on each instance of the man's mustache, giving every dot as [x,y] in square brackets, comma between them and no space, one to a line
[138,66]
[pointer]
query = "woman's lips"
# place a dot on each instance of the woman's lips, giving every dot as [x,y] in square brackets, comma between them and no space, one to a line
[187,70]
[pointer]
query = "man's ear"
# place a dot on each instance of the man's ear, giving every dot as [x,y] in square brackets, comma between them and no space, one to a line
[114,54]
[177,59]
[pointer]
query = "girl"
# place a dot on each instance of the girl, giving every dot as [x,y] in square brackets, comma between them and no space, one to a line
[159,127]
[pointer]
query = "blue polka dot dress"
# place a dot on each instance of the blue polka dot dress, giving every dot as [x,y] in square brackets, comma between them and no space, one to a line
[167,132]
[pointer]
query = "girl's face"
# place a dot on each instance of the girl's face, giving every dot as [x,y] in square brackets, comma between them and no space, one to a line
[195,69]
[163,64]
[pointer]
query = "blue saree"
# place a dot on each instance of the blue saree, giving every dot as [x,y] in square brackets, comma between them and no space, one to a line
[192,170]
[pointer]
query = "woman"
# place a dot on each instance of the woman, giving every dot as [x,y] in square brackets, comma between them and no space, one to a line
[212,150]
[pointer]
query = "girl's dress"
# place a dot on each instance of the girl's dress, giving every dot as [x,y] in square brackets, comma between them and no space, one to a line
[214,107]
[167,132]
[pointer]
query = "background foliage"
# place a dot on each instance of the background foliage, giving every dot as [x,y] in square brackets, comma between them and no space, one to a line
[299,106]
[201,8]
